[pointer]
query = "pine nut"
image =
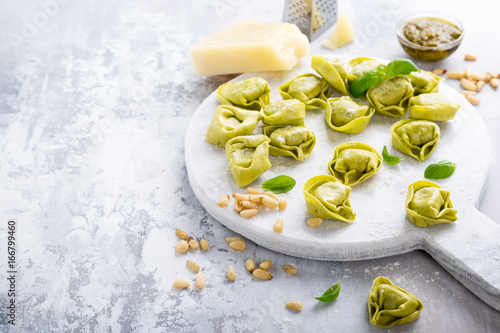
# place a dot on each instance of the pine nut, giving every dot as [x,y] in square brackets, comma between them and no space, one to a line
[231,274]
[470,57]
[233,239]
[250,264]
[282,204]
[261,274]
[439,71]
[488,76]
[265,264]
[237,206]
[315,222]
[494,83]
[467,92]
[248,204]
[477,77]
[248,213]
[290,269]
[468,84]
[238,245]
[467,72]
[253,190]
[256,198]
[272,195]
[180,284]
[472,99]
[269,202]
[193,243]
[241,197]
[193,266]
[297,306]
[455,75]
[181,234]
[200,281]
[223,201]
[182,247]
[278,225]
[480,85]
[204,245]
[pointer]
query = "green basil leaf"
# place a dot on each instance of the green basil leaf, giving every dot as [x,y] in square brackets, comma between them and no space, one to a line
[390,159]
[365,82]
[400,66]
[440,170]
[331,294]
[279,184]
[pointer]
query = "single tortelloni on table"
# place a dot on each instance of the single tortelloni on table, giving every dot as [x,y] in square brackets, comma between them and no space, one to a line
[428,204]
[354,162]
[432,106]
[327,198]
[229,122]
[345,115]
[248,157]
[390,97]
[390,305]
[359,66]
[415,138]
[307,88]
[333,71]
[251,94]
[294,141]
[424,82]
[285,112]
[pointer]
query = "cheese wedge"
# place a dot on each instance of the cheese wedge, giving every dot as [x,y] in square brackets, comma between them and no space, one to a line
[342,35]
[250,46]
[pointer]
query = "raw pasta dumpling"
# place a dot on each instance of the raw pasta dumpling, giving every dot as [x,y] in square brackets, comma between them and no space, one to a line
[390,97]
[354,162]
[327,198]
[344,115]
[432,106]
[248,157]
[428,204]
[390,305]
[285,112]
[359,66]
[230,121]
[251,94]
[294,141]
[424,82]
[416,138]
[333,71]
[307,88]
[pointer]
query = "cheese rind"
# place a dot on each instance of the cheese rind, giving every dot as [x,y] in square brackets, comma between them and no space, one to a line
[250,46]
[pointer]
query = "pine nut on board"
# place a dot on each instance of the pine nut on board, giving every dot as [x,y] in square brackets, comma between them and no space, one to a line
[295,305]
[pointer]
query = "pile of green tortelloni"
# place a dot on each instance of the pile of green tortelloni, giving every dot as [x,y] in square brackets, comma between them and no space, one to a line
[244,104]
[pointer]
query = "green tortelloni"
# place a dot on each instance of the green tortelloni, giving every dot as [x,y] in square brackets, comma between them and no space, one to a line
[333,71]
[359,66]
[433,106]
[390,305]
[229,122]
[326,198]
[251,94]
[285,112]
[344,115]
[416,138]
[428,204]
[294,141]
[424,82]
[307,88]
[248,157]
[354,162]
[390,97]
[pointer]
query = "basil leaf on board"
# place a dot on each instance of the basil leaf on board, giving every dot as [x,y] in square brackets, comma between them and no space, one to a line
[400,66]
[440,170]
[279,184]
[363,83]
[331,294]
[390,159]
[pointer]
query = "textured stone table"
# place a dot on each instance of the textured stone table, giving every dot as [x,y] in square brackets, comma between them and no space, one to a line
[95,98]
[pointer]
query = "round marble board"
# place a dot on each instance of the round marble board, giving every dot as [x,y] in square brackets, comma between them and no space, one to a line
[469,248]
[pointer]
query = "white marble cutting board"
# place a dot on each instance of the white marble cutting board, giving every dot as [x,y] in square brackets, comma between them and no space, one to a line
[469,248]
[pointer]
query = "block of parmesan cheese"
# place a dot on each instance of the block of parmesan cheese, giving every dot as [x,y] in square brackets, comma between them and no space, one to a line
[250,46]
[344,34]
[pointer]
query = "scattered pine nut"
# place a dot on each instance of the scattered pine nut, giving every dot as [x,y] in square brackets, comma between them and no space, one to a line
[480,85]
[238,245]
[253,190]
[297,306]
[266,264]
[468,84]
[248,213]
[470,57]
[272,195]
[290,269]
[261,274]
[494,83]
[250,264]
[200,281]
[238,207]
[455,75]
[488,76]
[247,204]
[180,284]
[231,274]
[472,99]
[256,198]
[282,204]
[315,222]
[204,245]
[439,71]
[467,92]
[233,239]
[241,197]
[193,266]
[181,234]
[269,202]
[478,77]
[223,201]
[182,247]
[193,243]
[467,72]
[278,225]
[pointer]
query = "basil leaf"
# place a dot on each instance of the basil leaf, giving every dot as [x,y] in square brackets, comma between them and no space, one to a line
[400,66]
[363,83]
[390,159]
[279,184]
[331,294]
[440,170]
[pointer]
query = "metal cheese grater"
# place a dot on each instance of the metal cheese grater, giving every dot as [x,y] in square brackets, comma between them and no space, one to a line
[312,17]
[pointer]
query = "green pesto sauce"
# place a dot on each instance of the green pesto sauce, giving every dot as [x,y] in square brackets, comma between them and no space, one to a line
[431,32]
